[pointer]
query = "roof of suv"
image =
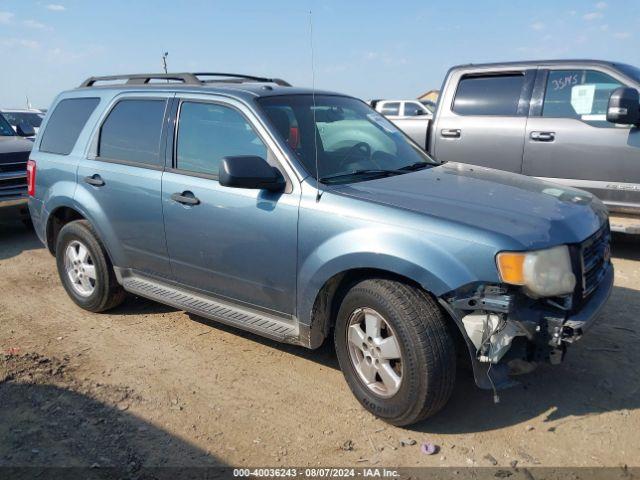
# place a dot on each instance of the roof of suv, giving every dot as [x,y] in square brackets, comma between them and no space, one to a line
[241,86]
[522,63]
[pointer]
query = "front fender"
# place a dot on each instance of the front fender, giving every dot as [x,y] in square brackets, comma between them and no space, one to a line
[413,255]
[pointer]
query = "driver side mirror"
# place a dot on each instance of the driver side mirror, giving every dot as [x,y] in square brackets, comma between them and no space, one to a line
[250,172]
[25,129]
[624,106]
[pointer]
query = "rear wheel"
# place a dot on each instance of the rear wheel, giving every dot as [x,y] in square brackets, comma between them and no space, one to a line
[395,350]
[85,269]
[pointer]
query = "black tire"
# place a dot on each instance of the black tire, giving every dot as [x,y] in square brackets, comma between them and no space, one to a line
[427,348]
[107,292]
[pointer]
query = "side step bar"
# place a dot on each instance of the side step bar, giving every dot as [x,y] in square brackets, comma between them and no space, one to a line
[261,323]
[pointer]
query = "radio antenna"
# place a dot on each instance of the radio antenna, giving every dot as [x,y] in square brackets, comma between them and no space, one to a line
[313,96]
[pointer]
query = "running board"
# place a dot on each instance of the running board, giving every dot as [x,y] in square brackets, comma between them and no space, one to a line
[261,323]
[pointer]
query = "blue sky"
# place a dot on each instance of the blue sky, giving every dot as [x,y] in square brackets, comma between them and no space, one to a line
[370,49]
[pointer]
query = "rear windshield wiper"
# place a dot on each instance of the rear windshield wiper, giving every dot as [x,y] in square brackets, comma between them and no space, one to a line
[358,173]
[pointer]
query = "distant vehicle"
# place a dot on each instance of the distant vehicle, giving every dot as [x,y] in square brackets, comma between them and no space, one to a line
[14,153]
[573,122]
[17,117]
[430,105]
[306,216]
[411,116]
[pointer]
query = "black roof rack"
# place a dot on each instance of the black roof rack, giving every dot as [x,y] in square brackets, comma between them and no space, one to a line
[186,78]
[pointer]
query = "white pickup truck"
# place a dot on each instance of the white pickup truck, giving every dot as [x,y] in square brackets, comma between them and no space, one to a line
[410,116]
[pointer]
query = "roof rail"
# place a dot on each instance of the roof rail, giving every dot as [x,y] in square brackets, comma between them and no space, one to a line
[186,78]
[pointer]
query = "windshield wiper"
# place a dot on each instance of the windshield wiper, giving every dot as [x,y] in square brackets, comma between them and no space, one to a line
[357,173]
[417,166]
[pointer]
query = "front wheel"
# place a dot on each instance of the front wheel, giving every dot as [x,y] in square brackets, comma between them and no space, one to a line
[395,350]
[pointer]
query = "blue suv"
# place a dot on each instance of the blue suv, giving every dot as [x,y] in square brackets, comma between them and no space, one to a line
[299,214]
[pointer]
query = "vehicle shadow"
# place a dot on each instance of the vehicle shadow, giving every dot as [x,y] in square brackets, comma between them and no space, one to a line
[47,424]
[15,236]
[625,246]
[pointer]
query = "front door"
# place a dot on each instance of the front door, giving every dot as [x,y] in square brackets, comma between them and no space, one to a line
[234,243]
[485,123]
[571,142]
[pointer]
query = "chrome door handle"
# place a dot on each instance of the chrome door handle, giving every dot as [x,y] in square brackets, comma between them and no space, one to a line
[185,198]
[543,136]
[95,180]
[450,132]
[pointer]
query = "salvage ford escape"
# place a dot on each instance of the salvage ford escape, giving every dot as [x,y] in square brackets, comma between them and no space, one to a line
[298,214]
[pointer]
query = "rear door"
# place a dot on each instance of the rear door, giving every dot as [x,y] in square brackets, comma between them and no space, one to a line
[569,141]
[121,181]
[484,118]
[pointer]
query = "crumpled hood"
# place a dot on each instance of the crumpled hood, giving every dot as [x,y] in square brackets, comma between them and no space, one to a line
[534,213]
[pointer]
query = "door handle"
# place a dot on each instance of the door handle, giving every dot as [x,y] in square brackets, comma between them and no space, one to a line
[185,198]
[543,136]
[450,132]
[95,180]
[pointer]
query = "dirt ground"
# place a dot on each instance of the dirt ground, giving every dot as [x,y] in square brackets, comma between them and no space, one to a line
[148,385]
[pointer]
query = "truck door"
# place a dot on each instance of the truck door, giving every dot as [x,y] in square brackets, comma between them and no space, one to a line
[483,117]
[569,141]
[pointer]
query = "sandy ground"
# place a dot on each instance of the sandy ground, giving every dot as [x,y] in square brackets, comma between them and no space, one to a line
[149,385]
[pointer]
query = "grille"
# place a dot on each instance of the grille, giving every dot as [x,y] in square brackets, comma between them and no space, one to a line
[13,174]
[595,256]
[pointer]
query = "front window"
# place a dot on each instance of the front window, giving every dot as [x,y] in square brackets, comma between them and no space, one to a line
[579,94]
[30,118]
[352,142]
[5,128]
[412,109]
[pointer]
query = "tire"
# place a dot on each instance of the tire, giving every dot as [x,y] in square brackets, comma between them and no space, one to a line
[427,366]
[97,294]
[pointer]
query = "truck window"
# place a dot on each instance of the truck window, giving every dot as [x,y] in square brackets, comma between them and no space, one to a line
[209,132]
[132,131]
[65,124]
[579,94]
[488,95]
[412,109]
[390,108]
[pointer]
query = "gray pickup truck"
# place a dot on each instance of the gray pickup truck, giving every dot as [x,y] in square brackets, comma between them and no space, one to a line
[548,119]
[14,153]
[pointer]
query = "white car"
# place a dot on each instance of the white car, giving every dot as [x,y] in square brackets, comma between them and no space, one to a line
[15,117]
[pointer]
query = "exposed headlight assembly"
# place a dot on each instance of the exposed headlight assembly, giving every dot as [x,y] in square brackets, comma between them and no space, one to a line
[542,273]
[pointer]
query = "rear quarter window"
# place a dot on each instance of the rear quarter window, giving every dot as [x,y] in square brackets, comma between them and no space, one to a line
[65,124]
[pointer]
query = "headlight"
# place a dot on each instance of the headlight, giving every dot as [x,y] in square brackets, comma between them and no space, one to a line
[542,273]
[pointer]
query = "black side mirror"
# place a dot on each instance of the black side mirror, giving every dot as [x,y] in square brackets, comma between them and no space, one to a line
[624,106]
[25,129]
[250,172]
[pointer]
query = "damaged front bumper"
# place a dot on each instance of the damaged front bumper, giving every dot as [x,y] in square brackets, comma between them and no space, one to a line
[503,328]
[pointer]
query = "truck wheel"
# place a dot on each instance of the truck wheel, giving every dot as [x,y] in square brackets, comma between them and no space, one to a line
[85,269]
[395,350]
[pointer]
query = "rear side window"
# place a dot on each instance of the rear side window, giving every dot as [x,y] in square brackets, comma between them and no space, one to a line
[209,132]
[65,124]
[390,108]
[132,132]
[489,95]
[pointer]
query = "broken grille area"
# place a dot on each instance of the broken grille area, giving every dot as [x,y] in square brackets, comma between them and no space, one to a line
[594,257]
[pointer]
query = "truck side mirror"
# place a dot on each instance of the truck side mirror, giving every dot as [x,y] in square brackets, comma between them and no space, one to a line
[624,106]
[25,129]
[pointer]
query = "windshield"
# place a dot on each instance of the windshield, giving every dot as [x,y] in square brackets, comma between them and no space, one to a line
[354,142]
[5,128]
[30,118]
[630,71]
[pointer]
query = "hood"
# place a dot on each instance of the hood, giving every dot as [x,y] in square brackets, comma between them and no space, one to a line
[534,213]
[14,149]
